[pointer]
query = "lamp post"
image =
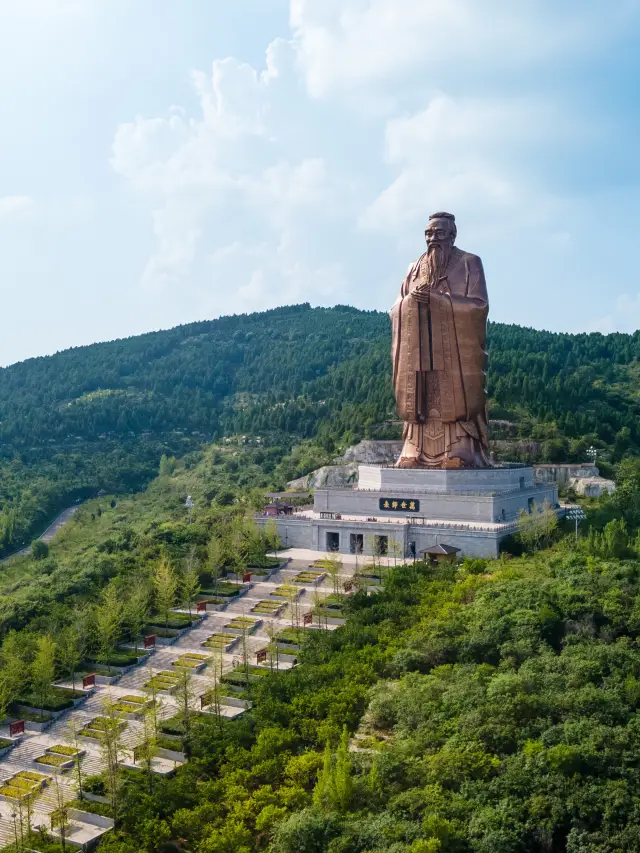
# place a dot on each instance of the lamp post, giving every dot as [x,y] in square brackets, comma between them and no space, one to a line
[592,453]
[15,828]
[577,514]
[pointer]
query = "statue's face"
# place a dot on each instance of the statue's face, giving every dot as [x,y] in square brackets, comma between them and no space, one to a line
[439,233]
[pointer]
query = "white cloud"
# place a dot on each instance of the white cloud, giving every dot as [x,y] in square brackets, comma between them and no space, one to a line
[227,174]
[625,316]
[346,44]
[466,155]
[15,207]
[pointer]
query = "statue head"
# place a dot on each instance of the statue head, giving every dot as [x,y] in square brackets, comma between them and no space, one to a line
[440,235]
[441,230]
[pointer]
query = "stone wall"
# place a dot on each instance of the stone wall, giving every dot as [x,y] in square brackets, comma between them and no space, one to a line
[561,474]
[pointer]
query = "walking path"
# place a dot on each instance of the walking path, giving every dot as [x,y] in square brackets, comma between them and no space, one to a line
[49,533]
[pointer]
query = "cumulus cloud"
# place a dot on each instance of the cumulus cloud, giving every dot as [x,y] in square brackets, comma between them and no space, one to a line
[229,201]
[345,44]
[289,180]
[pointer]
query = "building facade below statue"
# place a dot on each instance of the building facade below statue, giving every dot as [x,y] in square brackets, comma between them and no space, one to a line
[402,512]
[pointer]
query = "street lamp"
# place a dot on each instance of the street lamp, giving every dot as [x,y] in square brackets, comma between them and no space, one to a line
[577,514]
[592,453]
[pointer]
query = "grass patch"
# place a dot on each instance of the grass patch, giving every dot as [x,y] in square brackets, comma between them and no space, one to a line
[219,641]
[63,749]
[267,608]
[52,760]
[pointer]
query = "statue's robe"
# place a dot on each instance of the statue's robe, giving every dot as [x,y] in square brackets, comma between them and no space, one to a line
[439,360]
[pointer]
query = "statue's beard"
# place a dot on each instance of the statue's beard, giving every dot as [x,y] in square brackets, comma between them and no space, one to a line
[438,255]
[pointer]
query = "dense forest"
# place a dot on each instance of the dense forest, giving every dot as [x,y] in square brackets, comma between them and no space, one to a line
[485,707]
[99,417]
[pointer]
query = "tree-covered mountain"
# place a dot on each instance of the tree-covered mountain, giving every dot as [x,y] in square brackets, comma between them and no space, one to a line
[99,417]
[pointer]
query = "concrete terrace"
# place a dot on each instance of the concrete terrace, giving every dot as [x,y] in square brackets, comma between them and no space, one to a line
[34,743]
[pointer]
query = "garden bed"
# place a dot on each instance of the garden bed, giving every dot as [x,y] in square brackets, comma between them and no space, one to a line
[22,785]
[96,729]
[287,591]
[63,749]
[309,577]
[220,641]
[55,762]
[59,699]
[268,608]
[243,623]
[191,661]
[163,682]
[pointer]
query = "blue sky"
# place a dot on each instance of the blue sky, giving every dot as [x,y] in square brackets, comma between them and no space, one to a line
[163,162]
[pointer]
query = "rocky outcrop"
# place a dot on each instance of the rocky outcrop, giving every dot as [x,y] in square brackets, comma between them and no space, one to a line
[327,477]
[592,487]
[562,474]
[369,452]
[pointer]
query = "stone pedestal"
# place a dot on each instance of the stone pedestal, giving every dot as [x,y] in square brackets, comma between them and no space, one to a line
[408,510]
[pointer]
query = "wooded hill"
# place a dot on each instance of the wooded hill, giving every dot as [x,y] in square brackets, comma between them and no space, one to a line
[99,417]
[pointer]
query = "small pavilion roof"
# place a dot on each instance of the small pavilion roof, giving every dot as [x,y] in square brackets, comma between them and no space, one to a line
[440,549]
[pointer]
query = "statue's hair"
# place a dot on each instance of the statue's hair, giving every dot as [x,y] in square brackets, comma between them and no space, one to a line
[450,217]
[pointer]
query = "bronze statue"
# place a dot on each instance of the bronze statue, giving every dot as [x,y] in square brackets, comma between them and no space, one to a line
[438,350]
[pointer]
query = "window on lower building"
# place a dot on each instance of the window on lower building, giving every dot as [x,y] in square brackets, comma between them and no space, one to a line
[382,545]
[412,549]
[333,541]
[356,543]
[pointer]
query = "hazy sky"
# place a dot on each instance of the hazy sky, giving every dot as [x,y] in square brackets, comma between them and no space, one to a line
[165,161]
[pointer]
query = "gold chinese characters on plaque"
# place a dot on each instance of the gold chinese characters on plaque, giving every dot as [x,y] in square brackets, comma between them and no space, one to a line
[399,505]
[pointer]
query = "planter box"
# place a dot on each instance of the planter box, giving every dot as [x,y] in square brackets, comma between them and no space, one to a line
[49,750]
[106,680]
[51,768]
[96,798]
[171,754]
[235,702]
[168,641]
[249,629]
[91,819]
[5,749]
[194,670]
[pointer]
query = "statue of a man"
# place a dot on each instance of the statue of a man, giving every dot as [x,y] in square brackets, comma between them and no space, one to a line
[439,331]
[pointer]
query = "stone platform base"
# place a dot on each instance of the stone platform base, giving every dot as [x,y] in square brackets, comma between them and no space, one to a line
[404,511]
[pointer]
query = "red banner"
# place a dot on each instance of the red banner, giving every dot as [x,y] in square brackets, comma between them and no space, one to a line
[16,728]
[246,578]
[201,607]
[89,681]
[307,619]
[150,641]
[261,656]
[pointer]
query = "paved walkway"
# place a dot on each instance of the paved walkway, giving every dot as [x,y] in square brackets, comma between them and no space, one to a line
[34,744]
[49,533]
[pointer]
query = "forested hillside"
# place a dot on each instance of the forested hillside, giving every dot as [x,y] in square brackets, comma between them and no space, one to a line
[99,417]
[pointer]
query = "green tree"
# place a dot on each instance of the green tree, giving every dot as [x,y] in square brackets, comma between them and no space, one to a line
[109,619]
[165,586]
[43,669]
[167,465]
[136,610]
[190,581]
[39,549]
[70,651]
